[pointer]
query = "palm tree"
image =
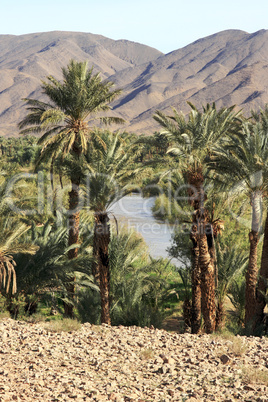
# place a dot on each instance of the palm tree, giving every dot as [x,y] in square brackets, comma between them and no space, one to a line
[192,140]
[129,283]
[262,119]
[49,269]
[107,164]
[11,232]
[44,270]
[262,285]
[64,123]
[242,161]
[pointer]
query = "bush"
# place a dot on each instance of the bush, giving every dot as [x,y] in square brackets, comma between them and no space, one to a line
[89,306]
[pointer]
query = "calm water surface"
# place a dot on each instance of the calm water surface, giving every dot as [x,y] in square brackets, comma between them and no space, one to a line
[135,212]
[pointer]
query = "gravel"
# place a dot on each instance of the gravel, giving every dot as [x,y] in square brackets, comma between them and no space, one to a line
[102,363]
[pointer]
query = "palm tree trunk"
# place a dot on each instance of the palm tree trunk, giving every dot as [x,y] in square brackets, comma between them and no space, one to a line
[187,314]
[212,251]
[262,283]
[73,230]
[101,268]
[73,239]
[195,181]
[196,287]
[252,271]
[220,316]
[213,255]
[74,218]
[203,273]
[251,280]
[207,282]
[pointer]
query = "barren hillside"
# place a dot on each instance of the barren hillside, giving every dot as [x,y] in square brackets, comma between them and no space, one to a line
[229,67]
[26,59]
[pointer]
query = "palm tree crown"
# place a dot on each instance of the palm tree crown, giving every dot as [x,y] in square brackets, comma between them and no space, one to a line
[193,138]
[64,122]
[107,163]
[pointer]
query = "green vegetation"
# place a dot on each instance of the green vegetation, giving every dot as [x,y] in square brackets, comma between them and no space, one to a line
[62,254]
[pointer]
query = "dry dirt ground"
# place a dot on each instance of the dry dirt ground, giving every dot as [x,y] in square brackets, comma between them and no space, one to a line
[101,363]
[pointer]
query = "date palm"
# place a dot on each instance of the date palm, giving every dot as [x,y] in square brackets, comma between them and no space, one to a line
[108,174]
[242,163]
[65,126]
[261,301]
[192,139]
[11,232]
[49,269]
[262,285]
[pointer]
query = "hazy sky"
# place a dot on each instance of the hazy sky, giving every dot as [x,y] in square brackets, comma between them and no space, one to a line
[164,24]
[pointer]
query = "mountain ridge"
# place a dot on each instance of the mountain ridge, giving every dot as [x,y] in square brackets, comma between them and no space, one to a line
[228,67]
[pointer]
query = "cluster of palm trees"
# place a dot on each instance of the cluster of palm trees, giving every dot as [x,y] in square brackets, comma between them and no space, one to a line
[212,154]
[221,151]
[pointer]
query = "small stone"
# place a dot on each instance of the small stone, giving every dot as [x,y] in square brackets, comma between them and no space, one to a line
[249,387]
[225,359]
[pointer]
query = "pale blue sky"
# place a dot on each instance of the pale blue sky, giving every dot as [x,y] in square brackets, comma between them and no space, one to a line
[164,24]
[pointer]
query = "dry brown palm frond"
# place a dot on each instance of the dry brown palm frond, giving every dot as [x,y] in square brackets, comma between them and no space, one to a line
[8,273]
[9,245]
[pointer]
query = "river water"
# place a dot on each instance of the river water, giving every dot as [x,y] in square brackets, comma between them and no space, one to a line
[136,212]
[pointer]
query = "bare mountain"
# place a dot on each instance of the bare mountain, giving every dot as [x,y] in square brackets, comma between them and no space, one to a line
[26,59]
[229,67]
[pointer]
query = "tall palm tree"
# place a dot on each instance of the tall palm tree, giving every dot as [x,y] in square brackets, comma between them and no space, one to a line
[262,284]
[242,163]
[107,164]
[65,125]
[192,139]
[262,119]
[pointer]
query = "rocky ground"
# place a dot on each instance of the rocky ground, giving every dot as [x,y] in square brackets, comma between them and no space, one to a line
[101,363]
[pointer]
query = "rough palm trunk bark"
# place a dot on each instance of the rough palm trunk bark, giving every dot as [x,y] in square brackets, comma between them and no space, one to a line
[207,283]
[74,218]
[211,235]
[252,271]
[73,239]
[206,263]
[203,273]
[101,268]
[195,181]
[196,287]
[220,316]
[73,231]
[187,314]
[262,282]
[251,280]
